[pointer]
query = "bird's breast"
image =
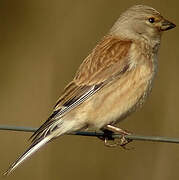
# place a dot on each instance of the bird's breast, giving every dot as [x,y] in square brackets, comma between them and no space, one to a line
[121,97]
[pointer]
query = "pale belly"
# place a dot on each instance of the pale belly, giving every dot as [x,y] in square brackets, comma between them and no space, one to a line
[115,101]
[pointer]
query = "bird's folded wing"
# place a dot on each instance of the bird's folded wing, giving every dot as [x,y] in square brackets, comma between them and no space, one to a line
[108,60]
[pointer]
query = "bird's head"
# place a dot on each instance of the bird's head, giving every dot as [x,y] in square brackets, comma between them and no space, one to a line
[141,21]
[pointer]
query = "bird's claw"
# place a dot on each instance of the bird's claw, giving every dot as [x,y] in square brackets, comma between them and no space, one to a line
[123,141]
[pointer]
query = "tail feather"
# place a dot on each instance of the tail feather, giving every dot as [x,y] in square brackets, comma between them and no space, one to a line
[31,150]
[43,136]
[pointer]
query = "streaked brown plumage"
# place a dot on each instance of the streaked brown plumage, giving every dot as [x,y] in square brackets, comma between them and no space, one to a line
[113,81]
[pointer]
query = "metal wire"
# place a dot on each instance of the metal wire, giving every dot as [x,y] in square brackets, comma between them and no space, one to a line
[99,134]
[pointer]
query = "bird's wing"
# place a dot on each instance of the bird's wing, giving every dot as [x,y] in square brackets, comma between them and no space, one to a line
[108,60]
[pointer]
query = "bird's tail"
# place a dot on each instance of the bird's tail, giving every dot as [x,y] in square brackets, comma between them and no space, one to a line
[43,135]
[31,150]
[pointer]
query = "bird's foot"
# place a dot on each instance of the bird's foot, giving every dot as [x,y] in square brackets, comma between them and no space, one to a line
[112,145]
[123,141]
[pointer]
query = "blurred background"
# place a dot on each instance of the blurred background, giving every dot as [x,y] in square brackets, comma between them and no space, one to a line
[42,43]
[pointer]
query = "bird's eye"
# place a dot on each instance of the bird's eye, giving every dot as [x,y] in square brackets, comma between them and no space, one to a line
[151,20]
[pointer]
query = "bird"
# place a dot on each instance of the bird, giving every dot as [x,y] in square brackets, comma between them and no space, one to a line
[112,82]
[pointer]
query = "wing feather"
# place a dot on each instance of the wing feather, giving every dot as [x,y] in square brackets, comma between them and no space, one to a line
[107,61]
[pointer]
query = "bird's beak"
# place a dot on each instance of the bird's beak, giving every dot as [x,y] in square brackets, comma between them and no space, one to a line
[166,25]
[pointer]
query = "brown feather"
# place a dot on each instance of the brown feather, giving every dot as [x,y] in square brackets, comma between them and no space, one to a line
[107,61]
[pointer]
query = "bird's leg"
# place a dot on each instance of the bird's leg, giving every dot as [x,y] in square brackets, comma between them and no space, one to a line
[117,130]
[112,129]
